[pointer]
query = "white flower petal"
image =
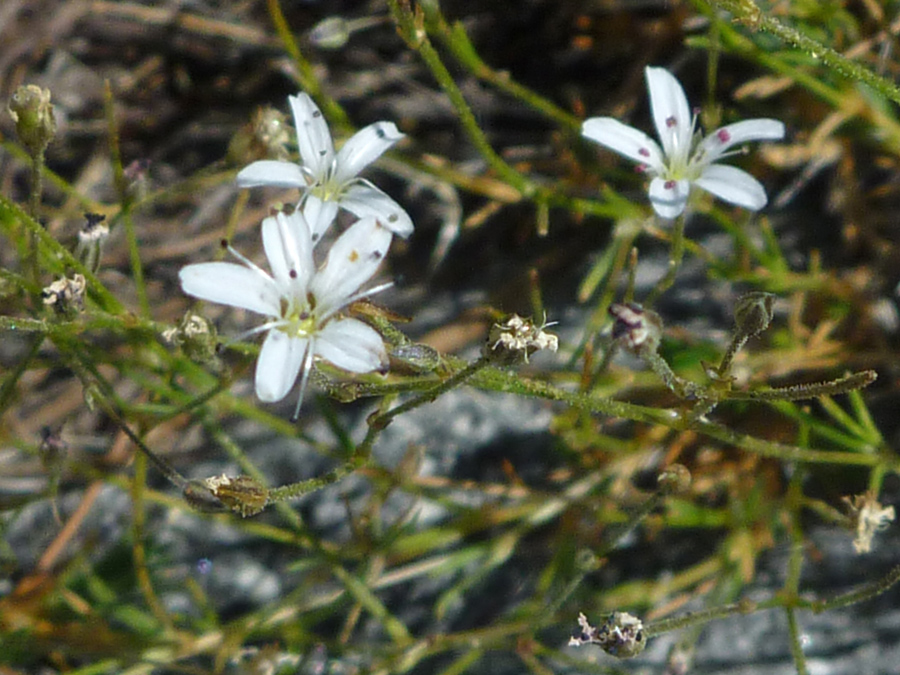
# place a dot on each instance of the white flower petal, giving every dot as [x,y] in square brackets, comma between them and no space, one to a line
[626,140]
[232,285]
[352,345]
[288,248]
[352,261]
[365,200]
[671,113]
[319,215]
[278,365]
[733,185]
[364,147]
[271,172]
[713,146]
[313,137]
[669,196]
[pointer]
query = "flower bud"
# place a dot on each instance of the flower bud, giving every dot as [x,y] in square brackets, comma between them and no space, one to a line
[674,480]
[196,335]
[417,357]
[330,33]
[53,449]
[242,495]
[753,313]
[91,237]
[32,112]
[638,329]
[266,137]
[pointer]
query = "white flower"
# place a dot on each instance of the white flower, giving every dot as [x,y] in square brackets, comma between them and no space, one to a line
[684,159]
[300,301]
[329,180]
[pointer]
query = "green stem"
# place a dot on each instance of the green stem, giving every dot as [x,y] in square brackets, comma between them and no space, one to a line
[125,202]
[676,254]
[455,39]
[34,205]
[380,421]
[411,25]
[865,593]
[92,381]
[753,16]
[10,211]
[305,74]
[377,422]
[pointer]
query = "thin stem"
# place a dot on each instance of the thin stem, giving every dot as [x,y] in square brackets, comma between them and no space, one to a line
[455,39]
[381,420]
[753,16]
[800,392]
[309,82]
[34,205]
[411,25]
[702,616]
[493,379]
[139,550]
[796,642]
[681,387]
[377,422]
[92,382]
[10,211]
[125,201]
[676,253]
[738,340]
[865,593]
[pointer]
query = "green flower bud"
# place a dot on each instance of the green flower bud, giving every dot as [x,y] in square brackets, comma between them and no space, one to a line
[674,480]
[197,337]
[330,33]
[753,313]
[32,112]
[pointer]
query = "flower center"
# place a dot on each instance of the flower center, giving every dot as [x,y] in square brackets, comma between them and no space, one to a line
[329,191]
[298,318]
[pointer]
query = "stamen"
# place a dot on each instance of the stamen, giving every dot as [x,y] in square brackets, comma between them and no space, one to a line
[249,263]
[644,152]
[671,121]
[240,337]
[304,378]
[669,185]
[353,298]
[723,135]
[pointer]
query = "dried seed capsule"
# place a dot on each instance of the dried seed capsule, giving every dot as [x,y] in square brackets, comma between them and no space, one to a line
[622,635]
[515,339]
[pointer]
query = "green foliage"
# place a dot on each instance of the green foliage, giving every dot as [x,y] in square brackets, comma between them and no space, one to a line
[782,395]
